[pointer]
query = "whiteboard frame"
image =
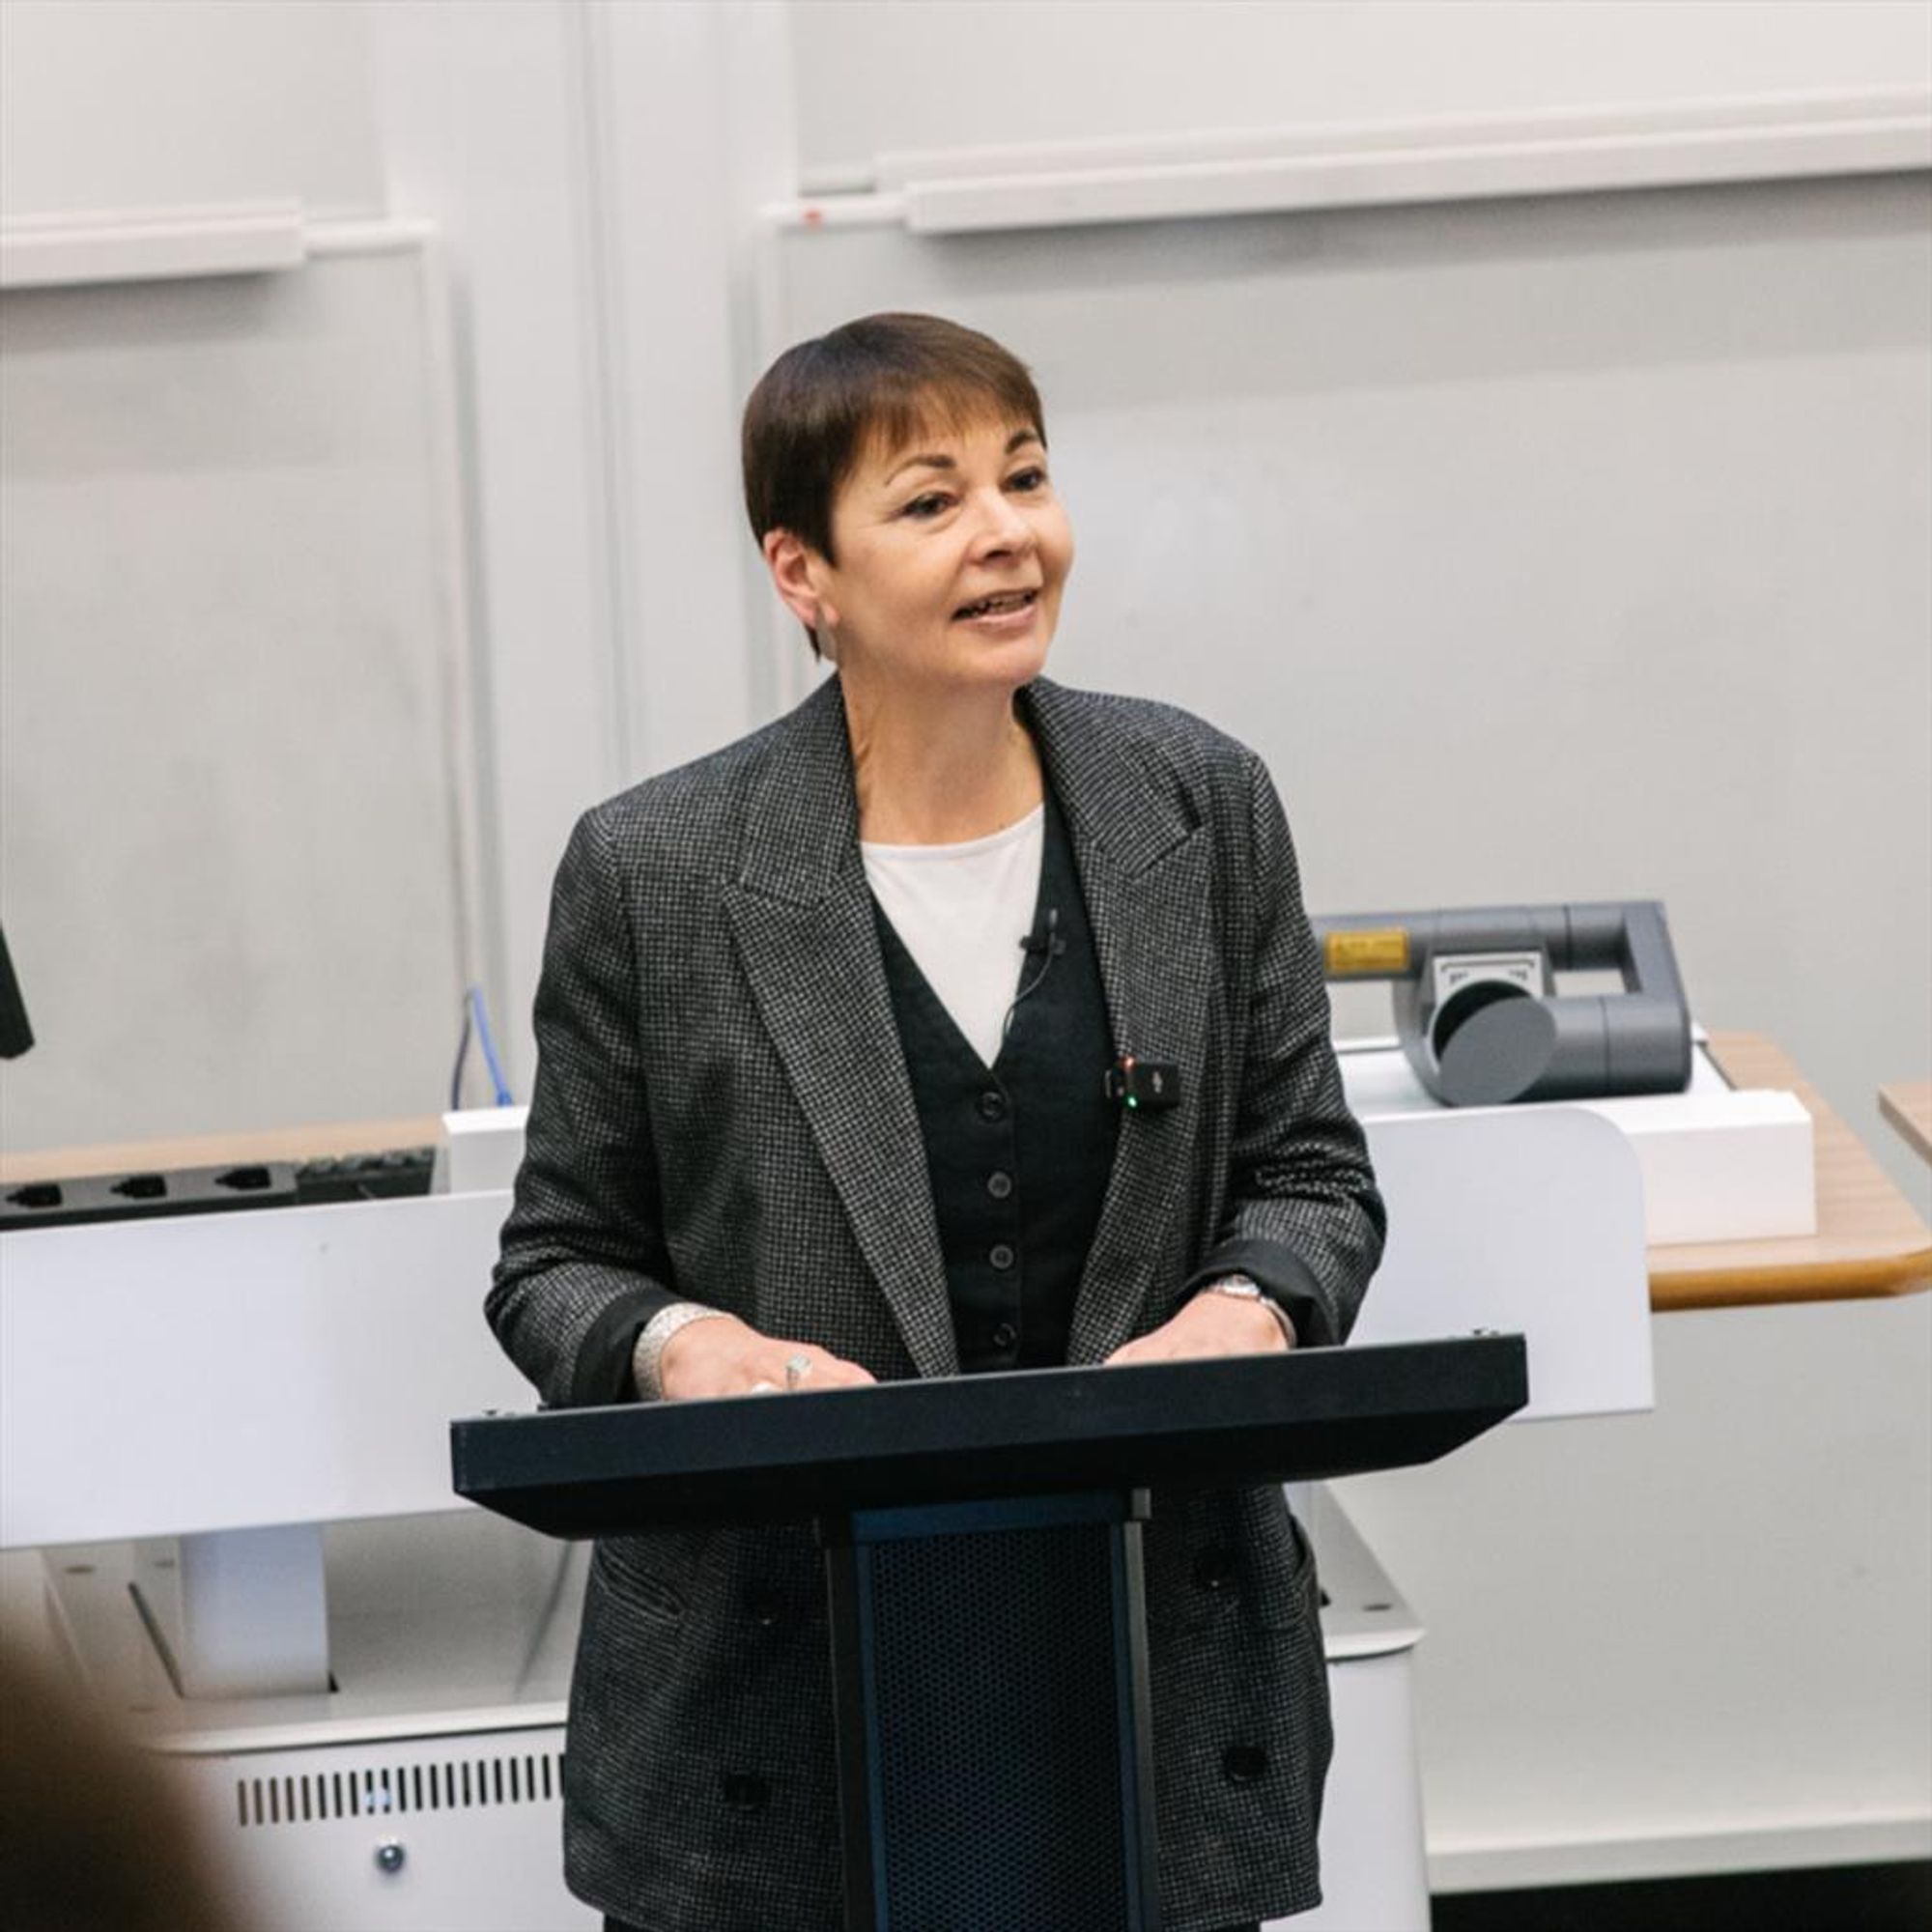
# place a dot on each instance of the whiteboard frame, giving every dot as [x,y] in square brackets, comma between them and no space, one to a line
[968,191]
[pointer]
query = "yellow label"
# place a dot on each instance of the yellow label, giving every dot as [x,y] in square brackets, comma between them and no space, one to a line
[1350,954]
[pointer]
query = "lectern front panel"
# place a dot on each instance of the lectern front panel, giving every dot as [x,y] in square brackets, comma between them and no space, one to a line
[990,1682]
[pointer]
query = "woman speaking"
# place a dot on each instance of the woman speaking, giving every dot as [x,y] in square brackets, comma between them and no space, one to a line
[824,1030]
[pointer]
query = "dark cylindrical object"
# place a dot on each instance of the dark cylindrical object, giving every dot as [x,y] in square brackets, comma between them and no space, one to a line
[15,1035]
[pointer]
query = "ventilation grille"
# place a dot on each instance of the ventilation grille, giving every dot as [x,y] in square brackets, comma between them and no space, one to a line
[396,1790]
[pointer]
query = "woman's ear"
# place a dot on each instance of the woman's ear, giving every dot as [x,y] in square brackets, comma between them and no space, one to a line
[798,573]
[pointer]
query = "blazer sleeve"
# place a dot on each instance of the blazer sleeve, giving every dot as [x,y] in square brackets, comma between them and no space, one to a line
[1303,1217]
[584,1262]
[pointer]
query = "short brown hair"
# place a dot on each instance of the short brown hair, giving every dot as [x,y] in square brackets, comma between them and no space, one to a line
[817,408]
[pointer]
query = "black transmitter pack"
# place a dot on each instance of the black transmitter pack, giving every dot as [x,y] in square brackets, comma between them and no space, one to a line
[1144,1085]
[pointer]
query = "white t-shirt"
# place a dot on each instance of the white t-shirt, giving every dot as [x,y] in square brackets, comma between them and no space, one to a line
[962,911]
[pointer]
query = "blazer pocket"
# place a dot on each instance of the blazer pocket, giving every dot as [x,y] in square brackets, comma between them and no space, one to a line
[651,1575]
[1281,1561]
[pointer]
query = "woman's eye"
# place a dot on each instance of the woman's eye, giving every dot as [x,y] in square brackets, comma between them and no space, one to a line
[929,505]
[1027,479]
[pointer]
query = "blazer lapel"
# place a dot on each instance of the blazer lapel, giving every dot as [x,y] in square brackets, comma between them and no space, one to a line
[801,917]
[1145,876]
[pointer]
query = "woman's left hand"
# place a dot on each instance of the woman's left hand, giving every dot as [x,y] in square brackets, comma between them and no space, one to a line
[1208,1324]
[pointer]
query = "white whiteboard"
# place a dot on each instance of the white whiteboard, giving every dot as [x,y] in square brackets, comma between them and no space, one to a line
[230,763]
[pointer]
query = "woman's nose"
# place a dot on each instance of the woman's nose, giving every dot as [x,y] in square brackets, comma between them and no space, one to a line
[1001,525]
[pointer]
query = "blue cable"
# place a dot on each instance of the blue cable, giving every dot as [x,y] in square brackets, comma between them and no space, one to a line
[489,1045]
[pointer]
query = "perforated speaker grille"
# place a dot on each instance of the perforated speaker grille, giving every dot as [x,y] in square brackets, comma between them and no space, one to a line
[999,1773]
[389,1790]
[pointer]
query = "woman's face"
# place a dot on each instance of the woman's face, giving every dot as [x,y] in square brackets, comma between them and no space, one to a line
[953,551]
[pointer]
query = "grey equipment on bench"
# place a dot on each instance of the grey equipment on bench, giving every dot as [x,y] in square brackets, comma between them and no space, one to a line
[1478,1013]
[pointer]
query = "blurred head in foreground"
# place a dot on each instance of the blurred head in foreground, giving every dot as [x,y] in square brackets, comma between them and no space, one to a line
[94,1835]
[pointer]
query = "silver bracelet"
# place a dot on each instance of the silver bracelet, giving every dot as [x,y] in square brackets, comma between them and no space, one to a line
[1245,1290]
[647,1357]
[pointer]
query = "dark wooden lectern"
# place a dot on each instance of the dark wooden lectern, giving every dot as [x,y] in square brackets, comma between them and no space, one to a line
[983,1578]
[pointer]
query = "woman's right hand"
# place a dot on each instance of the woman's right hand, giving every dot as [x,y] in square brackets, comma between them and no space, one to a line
[722,1356]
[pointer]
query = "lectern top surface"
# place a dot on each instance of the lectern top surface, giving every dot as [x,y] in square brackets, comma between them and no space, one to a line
[1316,1412]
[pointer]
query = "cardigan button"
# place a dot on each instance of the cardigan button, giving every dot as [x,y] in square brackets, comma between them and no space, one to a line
[1214,1567]
[1244,1764]
[992,1105]
[1001,1256]
[999,1183]
[1004,1336]
[745,1791]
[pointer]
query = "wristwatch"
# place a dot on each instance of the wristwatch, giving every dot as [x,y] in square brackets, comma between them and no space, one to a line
[1244,1290]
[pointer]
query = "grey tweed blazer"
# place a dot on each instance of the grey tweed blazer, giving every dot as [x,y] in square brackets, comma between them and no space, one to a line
[722,1114]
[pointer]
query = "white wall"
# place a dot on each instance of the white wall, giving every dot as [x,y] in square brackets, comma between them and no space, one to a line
[123,105]
[877,76]
[1653,1638]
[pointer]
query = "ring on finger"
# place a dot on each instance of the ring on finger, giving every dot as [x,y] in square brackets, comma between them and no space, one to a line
[797,1368]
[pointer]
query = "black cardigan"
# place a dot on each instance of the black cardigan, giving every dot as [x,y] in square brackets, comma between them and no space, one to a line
[1018,1154]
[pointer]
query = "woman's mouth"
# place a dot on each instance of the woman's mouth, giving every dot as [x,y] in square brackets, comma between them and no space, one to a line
[1007,605]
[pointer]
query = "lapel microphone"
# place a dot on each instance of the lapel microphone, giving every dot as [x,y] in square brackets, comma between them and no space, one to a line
[1046,940]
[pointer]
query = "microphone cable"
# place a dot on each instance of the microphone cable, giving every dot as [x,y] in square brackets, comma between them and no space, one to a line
[1049,946]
